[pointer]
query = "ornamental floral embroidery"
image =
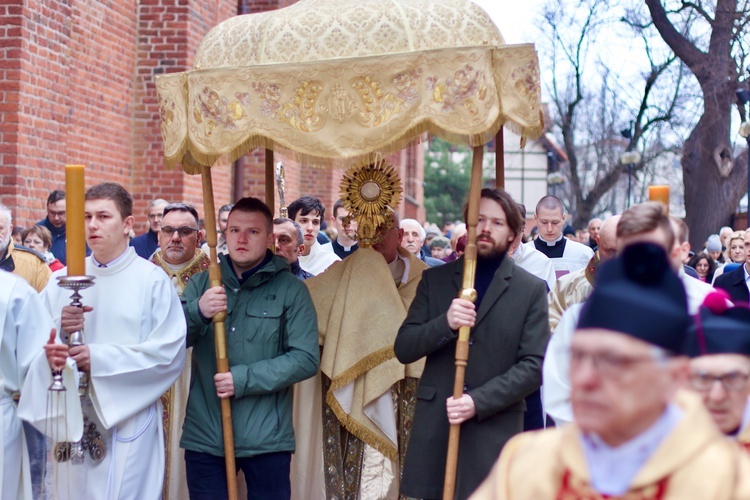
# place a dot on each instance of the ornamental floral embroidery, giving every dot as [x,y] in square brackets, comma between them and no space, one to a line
[167,109]
[270,93]
[377,106]
[527,82]
[465,88]
[406,84]
[576,489]
[301,113]
[214,110]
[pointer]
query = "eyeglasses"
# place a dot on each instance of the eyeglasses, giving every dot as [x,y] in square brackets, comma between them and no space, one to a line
[732,381]
[54,214]
[182,231]
[611,365]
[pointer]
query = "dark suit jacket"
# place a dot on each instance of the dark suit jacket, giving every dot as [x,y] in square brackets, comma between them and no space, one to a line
[734,284]
[505,364]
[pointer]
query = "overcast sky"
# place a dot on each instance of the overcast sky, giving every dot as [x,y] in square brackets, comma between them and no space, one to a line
[515,18]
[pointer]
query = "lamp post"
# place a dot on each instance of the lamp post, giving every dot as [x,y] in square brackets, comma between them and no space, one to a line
[743,97]
[630,158]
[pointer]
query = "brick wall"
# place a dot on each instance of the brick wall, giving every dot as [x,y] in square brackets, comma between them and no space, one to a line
[77,86]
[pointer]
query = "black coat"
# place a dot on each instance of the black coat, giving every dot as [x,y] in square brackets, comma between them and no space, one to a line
[505,365]
[734,283]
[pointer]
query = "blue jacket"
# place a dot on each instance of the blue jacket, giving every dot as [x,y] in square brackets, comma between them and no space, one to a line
[58,240]
[146,244]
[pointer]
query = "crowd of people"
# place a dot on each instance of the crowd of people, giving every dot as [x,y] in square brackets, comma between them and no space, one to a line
[608,362]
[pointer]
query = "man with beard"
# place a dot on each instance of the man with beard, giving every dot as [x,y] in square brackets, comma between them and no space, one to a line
[508,338]
[179,257]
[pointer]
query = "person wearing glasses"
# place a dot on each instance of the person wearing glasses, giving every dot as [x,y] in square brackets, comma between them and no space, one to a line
[55,222]
[720,370]
[178,256]
[635,433]
[147,243]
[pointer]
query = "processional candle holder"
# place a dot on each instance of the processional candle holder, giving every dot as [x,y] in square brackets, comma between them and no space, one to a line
[91,440]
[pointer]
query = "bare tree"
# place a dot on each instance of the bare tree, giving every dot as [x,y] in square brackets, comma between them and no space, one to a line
[713,50]
[591,107]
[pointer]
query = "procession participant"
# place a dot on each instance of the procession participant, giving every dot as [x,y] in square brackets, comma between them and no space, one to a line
[20,261]
[179,257]
[134,350]
[25,327]
[365,413]
[147,243]
[538,264]
[509,334]
[634,434]
[55,223]
[721,348]
[645,222]
[271,344]
[221,230]
[575,287]
[39,239]
[737,282]
[529,258]
[289,243]
[308,212]
[566,255]
[413,241]
[595,226]
[345,243]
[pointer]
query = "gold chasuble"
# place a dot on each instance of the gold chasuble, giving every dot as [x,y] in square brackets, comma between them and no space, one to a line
[174,400]
[695,461]
[353,421]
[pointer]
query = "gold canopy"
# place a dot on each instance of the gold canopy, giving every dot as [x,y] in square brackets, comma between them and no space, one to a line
[331,80]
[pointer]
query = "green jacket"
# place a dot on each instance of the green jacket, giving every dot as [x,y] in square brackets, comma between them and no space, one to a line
[272,343]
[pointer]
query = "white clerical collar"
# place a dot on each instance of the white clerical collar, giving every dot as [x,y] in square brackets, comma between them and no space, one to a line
[612,469]
[111,263]
[558,240]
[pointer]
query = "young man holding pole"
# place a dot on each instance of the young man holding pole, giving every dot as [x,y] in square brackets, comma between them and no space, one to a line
[272,343]
[509,333]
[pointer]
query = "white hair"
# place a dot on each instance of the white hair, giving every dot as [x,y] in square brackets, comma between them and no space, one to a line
[6,211]
[422,233]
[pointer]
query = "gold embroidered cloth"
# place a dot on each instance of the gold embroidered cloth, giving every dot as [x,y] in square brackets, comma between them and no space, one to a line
[333,80]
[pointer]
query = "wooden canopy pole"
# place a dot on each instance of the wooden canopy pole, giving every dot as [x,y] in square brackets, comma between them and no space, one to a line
[270,181]
[500,159]
[220,334]
[469,293]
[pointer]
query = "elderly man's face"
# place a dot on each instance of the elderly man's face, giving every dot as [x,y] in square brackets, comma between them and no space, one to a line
[412,240]
[722,382]
[155,215]
[287,243]
[184,239]
[595,225]
[618,386]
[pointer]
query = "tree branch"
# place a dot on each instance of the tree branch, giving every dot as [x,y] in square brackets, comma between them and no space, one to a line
[682,47]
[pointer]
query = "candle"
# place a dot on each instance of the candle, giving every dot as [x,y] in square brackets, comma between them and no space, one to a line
[75,244]
[659,193]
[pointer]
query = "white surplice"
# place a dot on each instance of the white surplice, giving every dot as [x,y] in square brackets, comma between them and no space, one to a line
[136,338]
[26,327]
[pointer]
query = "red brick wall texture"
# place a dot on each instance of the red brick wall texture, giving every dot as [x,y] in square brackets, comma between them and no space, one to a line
[77,87]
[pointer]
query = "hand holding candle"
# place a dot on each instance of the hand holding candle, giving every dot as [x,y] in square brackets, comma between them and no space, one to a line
[75,245]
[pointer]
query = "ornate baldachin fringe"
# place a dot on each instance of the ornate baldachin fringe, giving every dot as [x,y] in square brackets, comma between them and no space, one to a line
[191,157]
[360,431]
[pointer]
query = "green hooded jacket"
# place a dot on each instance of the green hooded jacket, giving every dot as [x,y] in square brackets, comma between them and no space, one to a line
[272,343]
